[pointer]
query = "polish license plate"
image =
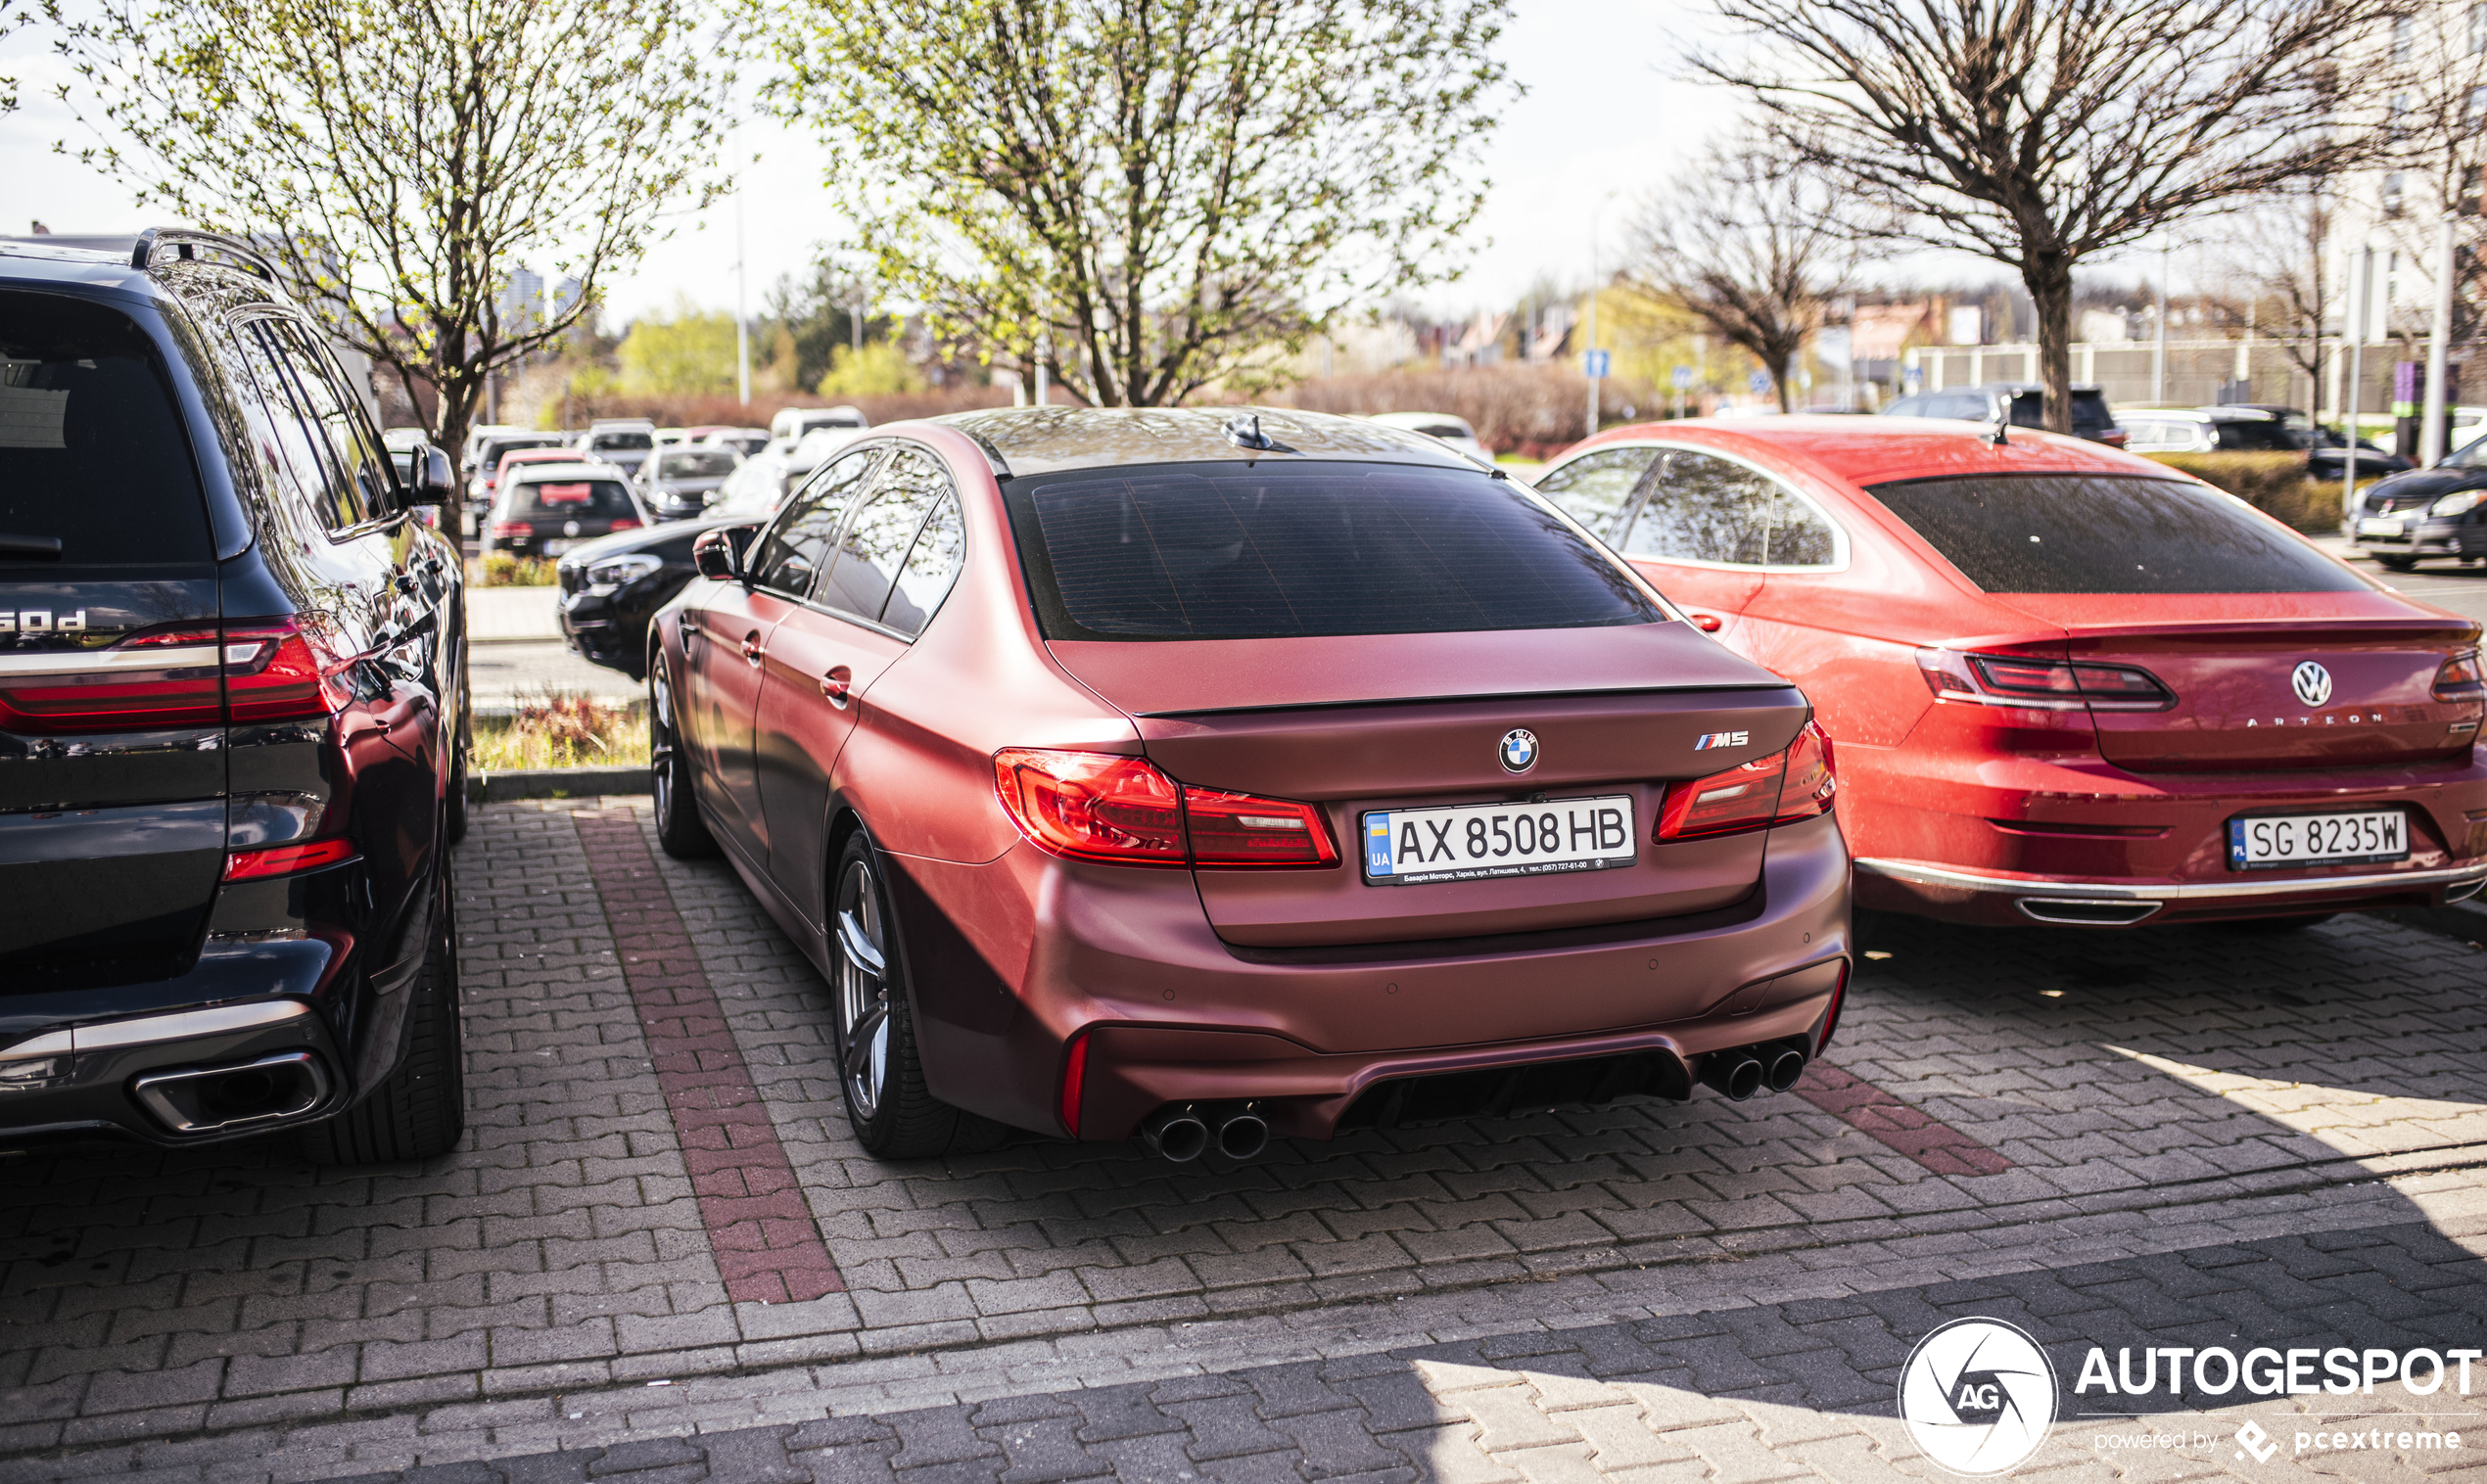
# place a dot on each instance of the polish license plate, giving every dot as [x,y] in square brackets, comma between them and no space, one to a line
[1470,842]
[2259,841]
[2375,525]
[557,546]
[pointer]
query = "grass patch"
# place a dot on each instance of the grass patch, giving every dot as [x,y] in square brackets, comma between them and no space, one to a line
[507,569]
[562,729]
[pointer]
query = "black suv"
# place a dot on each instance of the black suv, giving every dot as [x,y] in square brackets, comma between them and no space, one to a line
[2091,418]
[232,717]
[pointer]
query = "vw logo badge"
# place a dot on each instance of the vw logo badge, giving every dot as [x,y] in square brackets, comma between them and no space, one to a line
[1978,1396]
[1518,750]
[2312,682]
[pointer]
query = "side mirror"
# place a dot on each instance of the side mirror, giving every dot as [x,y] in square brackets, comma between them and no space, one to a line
[715,556]
[432,480]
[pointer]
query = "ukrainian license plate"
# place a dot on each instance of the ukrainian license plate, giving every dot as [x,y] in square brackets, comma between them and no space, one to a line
[2375,525]
[557,546]
[1470,842]
[2256,841]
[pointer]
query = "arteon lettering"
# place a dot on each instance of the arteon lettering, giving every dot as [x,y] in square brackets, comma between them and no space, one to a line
[2218,1371]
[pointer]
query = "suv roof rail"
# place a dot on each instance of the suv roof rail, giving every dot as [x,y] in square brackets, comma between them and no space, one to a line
[186,242]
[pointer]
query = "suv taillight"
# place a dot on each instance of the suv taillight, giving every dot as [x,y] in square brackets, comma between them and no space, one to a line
[1118,808]
[2040,684]
[274,673]
[1796,783]
[255,671]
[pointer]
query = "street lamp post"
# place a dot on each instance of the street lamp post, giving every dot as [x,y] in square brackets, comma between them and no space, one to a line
[1590,351]
[2439,335]
[2353,327]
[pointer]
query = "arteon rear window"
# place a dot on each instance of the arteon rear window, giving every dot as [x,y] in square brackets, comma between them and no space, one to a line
[2098,532]
[92,451]
[1270,550]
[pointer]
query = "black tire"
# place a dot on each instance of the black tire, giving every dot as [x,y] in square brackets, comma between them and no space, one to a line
[2399,564]
[420,1111]
[881,1074]
[678,826]
[454,808]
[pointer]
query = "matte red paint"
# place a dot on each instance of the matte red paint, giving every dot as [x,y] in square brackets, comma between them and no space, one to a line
[2032,798]
[1291,987]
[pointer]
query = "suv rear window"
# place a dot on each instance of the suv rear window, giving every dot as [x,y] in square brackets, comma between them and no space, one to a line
[1230,551]
[568,499]
[2099,533]
[93,453]
[623,440]
[695,466]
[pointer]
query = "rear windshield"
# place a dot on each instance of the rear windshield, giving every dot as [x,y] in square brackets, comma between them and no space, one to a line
[2098,533]
[494,450]
[93,454]
[695,466]
[2089,411]
[623,441]
[570,500]
[1230,551]
[2255,436]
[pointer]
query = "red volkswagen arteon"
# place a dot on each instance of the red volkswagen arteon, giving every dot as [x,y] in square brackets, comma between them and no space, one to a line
[2067,685]
[1205,776]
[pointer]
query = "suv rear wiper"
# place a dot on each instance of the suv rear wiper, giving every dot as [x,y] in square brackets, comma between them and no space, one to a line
[41,548]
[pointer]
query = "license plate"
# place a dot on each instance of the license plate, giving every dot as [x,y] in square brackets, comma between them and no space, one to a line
[2378,526]
[555,548]
[1470,842]
[2259,841]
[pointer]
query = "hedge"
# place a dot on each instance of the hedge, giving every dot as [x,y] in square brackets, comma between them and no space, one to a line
[2275,484]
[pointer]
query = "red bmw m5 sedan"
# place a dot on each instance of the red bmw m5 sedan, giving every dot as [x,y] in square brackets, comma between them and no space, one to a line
[2067,685]
[1204,777]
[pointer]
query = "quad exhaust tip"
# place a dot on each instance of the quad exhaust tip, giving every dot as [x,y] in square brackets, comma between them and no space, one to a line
[1185,1131]
[1750,1071]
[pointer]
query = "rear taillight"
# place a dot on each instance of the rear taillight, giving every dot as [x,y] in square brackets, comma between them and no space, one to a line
[625,523]
[1112,808]
[173,677]
[1793,784]
[274,673]
[2460,677]
[1074,1082]
[286,860]
[505,531]
[2039,684]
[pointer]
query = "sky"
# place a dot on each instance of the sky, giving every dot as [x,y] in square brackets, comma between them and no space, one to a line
[1605,112]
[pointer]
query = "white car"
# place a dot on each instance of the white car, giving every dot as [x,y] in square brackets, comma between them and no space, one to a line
[1453,431]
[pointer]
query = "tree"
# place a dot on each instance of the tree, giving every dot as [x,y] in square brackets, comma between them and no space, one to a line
[15,14]
[399,158]
[1750,242]
[2040,135]
[2278,253]
[2433,108]
[1149,196]
[684,354]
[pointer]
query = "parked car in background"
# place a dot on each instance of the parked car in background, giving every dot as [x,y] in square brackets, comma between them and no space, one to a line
[484,470]
[518,458]
[1985,403]
[2068,685]
[1099,835]
[546,509]
[747,442]
[626,441]
[1454,430]
[790,424]
[2237,429]
[678,482]
[613,586]
[2407,518]
[471,457]
[233,694]
[667,437]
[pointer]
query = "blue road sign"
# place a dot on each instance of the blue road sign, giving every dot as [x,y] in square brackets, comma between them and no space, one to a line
[1683,378]
[1760,382]
[1599,361]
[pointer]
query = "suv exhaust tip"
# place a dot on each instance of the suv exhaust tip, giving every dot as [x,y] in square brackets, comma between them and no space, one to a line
[1176,1133]
[273,1090]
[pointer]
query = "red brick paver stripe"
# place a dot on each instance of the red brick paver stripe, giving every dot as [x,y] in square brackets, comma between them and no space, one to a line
[1923,1137]
[767,1245]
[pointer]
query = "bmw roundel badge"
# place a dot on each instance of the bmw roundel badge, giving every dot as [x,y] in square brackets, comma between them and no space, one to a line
[1518,750]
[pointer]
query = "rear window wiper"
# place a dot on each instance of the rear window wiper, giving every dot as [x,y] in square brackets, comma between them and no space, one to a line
[36,548]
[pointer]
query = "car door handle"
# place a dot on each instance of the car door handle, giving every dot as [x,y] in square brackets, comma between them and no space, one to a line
[751,646]
[1707,622]
[838,685]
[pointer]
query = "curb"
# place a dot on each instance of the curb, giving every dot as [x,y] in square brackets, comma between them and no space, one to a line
[555,783]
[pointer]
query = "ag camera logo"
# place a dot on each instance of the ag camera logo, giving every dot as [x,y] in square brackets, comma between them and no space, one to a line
[1978,1396]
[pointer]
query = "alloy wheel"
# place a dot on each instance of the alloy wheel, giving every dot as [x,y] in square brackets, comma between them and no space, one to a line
[862,987]
[660,740]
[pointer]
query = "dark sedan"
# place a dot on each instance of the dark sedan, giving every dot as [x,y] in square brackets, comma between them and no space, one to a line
[610,589]
[2408,517]
[550,508]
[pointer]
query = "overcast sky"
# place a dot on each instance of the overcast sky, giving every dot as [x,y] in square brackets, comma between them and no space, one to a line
[1604,113]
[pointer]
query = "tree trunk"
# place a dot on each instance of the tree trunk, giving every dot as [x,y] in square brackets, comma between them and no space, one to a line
[2049,279]
[1780,370]
[456,417]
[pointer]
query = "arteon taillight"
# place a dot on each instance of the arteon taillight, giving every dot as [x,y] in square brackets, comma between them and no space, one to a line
[2460,677]
[1118,808]
[2040,684]
[286,860]
[1792,784]
[253,671]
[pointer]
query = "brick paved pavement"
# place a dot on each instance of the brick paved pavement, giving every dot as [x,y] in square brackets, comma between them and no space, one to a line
[553,1290]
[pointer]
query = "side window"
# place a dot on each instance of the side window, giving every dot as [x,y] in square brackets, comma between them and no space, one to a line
[940,549]
[281,420]
[1703,508]
[1595,489]
[1906,407]
[873,549]
[798,545]
[1967,406]
[365,491]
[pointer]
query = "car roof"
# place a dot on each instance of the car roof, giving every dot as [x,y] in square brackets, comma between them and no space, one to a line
[1413,419]
[209,286]
[1868,450]
[538,474]
[1052,440]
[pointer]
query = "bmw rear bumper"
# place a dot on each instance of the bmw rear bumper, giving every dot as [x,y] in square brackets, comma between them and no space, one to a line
[173,1078]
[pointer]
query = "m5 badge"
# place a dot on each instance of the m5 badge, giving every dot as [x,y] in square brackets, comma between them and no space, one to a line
[1710,739]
